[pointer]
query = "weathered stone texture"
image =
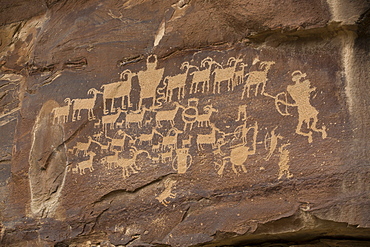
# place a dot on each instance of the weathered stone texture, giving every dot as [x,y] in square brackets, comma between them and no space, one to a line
[181,123]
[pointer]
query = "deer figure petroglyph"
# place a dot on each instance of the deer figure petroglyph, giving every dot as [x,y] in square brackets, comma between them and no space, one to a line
[167,193]
[208,138]
[110,160]
[149,80]
[61,113]
[204,119]
[204,75]
[187,142]
[257,78]
[168,115]
[167,155]
[148,137]
[225,74]
[171,138]
[82,146]
[119,142]
[86,164]
[117,90]
[177,81]
[135,117]
[84,104]
[110,120]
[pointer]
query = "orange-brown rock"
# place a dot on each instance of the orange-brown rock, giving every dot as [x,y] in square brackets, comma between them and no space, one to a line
[182,123]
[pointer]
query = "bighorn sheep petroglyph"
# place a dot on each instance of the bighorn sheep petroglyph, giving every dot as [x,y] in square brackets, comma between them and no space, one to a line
[257,78]
[168,115]
[62,113]
[117,90]
[177,81]
[84,104]
[225,74]
[203,75]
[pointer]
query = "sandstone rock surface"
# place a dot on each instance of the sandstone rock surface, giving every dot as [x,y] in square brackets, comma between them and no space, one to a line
[183,123]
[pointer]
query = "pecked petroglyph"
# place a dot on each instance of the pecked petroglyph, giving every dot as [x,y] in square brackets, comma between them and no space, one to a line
[167,193]
[300,92]
[166,125]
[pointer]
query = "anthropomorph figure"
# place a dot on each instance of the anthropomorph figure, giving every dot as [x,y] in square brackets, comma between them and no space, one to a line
[300,93]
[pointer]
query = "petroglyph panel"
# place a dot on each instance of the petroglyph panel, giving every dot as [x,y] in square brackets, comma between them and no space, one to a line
[237,116]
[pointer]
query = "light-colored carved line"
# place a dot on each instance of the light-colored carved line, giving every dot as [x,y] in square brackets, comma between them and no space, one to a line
[10,115]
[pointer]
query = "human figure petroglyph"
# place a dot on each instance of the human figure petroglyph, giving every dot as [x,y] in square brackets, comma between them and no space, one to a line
[167,193]
[86,164]
[62,112]
[283,162]
[182,160]
[135,117]
[204,75]
[84,104]
[204,119]
[177,81]
[149,80]
[116,90]
[239,154]
[171,138]
[300,92]
[272,138]
[225,74]
[242,111]
[148,137]
[257,78]
[168,115]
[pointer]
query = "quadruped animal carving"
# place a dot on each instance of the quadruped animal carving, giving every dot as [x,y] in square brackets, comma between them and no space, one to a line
[204,119]
[86,164]
[168,115]
[128,164]
[257,78]
[226,74]
[177,82]
[84,104]
[116,90]
[204,75]
[60,114]
[167,193]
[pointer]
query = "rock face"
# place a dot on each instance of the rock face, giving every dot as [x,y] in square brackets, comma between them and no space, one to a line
[145,123]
